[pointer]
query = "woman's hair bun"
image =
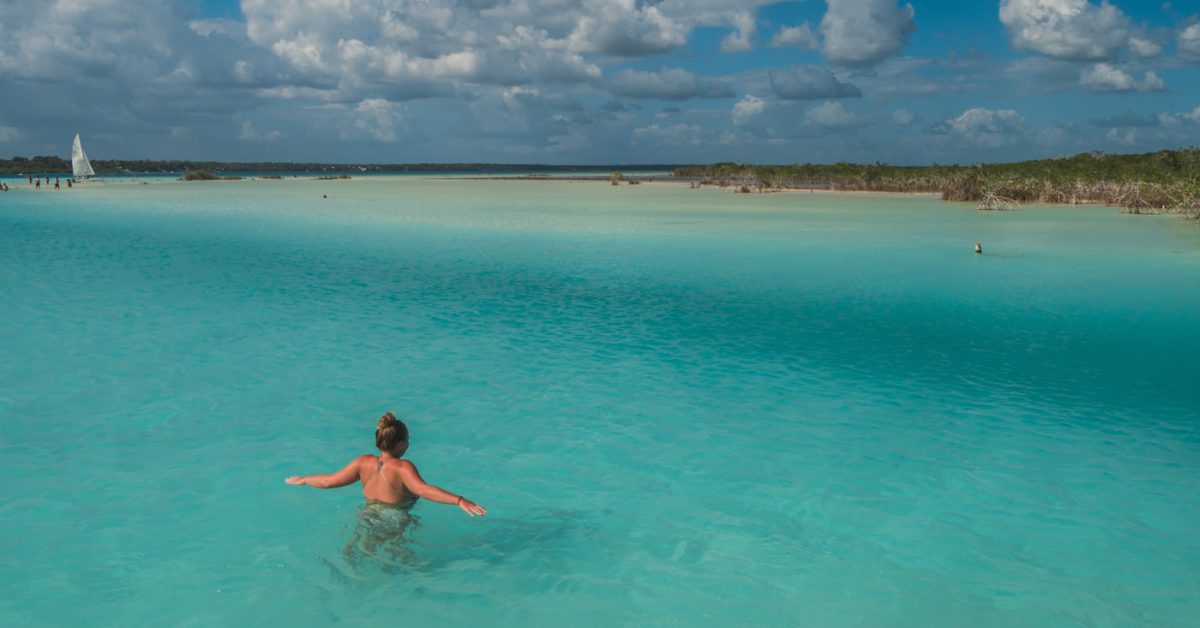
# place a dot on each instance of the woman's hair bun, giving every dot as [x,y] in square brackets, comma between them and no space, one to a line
[390,433]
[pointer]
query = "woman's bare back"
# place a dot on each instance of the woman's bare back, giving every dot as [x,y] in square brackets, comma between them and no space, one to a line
[381,481]
[388,479]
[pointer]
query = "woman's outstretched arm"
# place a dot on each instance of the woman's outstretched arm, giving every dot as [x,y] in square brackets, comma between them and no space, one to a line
[345,477]
[412,480]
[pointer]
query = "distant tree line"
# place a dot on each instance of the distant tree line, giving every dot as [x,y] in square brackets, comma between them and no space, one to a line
[42,164]
[1163,181]
[46,164]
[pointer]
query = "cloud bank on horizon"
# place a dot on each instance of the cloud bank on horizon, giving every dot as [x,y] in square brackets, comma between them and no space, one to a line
[598,81]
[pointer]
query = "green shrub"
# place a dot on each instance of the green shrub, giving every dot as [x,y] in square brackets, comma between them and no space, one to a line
[198,175]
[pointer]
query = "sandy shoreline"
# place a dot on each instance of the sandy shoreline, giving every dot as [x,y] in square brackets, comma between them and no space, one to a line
[679,181]
[605,179]
[598,179]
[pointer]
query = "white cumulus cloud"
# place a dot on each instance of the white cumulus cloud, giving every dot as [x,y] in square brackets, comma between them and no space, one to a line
[1180,118]
[863,32]
[1125,137]
[833,115]
[795,36]
[1104,77]
[1189,43]
[376,119]
[986,127]
[746,109]
[250,133]
[1151,83]
[666,84]
[1143,48]
[744,36]
[806,82]
[1075,30]
[626,28]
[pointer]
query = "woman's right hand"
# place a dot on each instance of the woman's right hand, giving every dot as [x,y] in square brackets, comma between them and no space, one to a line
[470,507]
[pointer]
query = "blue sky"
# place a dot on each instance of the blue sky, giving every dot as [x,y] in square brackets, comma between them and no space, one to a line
[598,81]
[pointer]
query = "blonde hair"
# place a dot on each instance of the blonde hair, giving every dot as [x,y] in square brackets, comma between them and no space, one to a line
[390,432]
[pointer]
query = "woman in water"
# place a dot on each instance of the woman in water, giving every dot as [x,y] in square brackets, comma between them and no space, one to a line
[386,478]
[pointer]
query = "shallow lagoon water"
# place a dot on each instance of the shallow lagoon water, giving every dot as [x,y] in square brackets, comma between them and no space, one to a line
[679,406]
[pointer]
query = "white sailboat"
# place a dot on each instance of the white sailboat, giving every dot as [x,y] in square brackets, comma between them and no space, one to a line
[81,168]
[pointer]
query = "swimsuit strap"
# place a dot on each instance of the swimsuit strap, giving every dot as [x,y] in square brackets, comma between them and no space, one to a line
[379,472]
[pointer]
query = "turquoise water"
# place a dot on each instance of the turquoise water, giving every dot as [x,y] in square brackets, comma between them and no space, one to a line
[681,407]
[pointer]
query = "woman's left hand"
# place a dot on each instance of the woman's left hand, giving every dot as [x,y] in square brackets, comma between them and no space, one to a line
[471,508]
[295,479]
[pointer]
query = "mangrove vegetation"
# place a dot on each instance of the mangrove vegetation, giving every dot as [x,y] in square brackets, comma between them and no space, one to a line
[1166,181]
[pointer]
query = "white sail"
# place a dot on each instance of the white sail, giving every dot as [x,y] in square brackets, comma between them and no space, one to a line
[80,166]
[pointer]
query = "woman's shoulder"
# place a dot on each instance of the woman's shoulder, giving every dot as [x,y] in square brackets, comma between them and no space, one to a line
[399,464]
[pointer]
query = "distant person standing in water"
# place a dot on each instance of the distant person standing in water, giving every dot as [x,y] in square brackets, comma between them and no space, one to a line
[387,479]
[978,249]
